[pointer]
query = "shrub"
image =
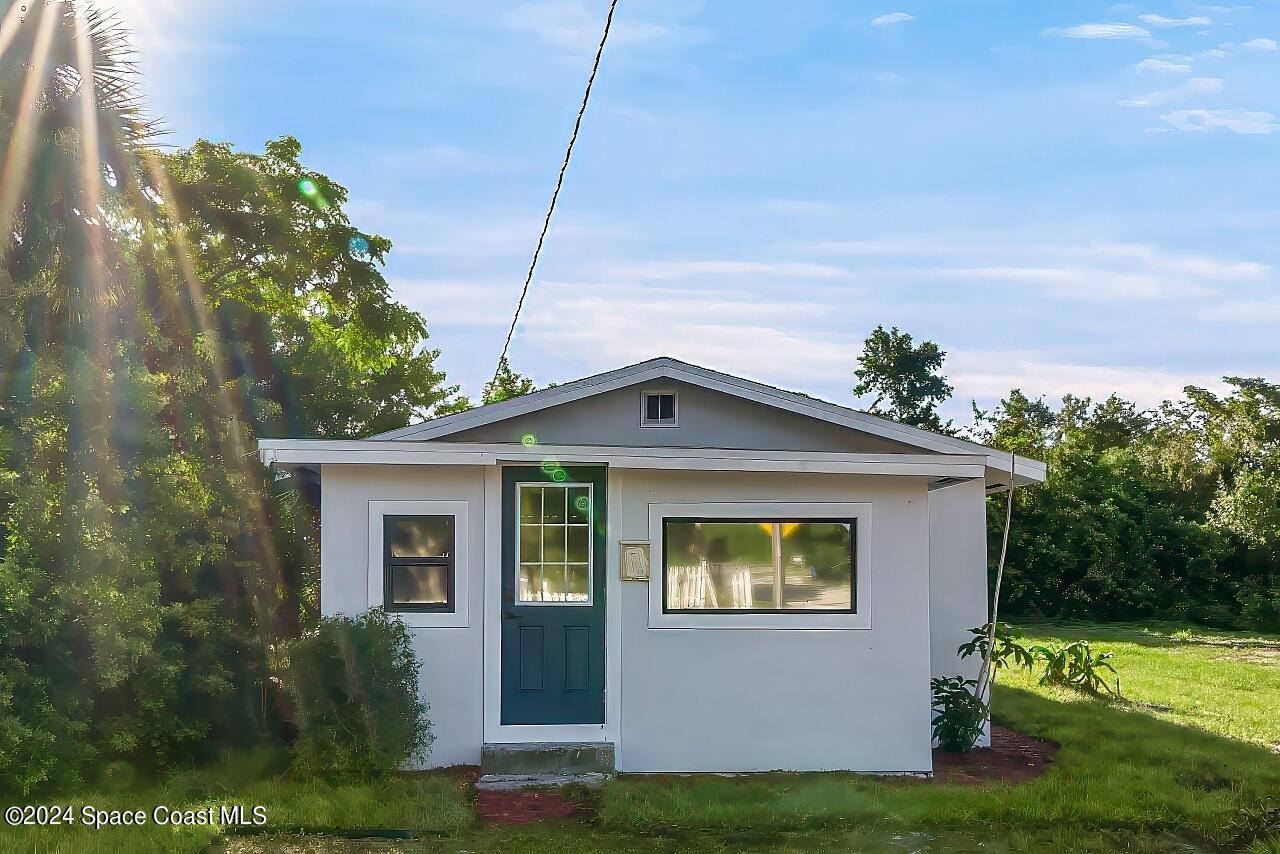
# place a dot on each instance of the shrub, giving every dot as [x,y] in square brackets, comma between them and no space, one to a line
[1260,609]
[1076,666]
[354,686]
[958,714]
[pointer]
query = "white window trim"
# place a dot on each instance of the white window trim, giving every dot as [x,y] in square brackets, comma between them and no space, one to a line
[591,546]
[644,408]
[860,512]
[459,617]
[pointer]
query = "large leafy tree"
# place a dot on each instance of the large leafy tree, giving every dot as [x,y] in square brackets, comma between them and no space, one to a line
[298,294]
[148,331]
[905,378]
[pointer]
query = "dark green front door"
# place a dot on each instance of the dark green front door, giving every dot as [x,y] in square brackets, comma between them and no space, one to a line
[553,589]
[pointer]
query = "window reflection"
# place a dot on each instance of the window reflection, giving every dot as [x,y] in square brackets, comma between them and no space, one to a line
[758,565]
[421,536]
[420,584]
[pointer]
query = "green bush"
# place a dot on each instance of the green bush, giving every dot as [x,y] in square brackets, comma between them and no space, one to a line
[1260,609]
[1076,666]
[354,685]
[958,714]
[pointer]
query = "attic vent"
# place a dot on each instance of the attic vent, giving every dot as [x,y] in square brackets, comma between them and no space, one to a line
[658,409]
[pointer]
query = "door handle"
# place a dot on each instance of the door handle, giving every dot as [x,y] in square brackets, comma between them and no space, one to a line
[510,616]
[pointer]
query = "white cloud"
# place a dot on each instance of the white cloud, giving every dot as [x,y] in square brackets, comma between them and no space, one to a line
[1162,21]
[1243,311]
[990,376]
[1190,89]
[570,25]
[1100,273]
[676,270]
[459,302]
[1162,65]
[1087,283]
[1237,121]
[891,18]
[738,332]
[1101,31]
[1261,44]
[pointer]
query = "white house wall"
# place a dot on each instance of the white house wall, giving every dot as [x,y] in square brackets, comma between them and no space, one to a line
[957,575]
[715,699]
[452,672]
[712,699]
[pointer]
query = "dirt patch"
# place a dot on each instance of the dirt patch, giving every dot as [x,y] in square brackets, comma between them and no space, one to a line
[523,806]
[1011,758]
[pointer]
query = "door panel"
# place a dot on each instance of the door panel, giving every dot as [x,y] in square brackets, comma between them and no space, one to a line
[553,595]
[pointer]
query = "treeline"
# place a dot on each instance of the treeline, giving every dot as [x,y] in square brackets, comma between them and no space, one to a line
[1172,513]
[1169,513]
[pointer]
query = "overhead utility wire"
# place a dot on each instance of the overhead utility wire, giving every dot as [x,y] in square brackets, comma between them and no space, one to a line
[568,152]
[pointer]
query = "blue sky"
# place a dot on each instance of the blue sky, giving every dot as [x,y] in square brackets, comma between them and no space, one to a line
[1066,196]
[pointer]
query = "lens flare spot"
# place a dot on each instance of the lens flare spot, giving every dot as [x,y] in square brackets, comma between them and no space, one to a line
[549,465]
[528,440]
[308,188]
[559,476]
[583,503]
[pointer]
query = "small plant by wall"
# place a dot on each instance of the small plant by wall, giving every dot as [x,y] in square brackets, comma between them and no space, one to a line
[958,714]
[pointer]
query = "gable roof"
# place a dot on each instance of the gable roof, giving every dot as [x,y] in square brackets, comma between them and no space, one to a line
[665,367]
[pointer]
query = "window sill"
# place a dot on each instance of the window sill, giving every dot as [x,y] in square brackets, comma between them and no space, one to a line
[756,622]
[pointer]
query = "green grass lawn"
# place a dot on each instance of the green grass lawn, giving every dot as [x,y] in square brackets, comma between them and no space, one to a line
[1167,768]
[1192,743]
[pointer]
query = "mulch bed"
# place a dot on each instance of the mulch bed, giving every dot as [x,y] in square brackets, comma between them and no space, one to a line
[1011,758]
[519,807]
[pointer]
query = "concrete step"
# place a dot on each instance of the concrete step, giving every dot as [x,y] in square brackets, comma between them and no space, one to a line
[553,758]
[508,782]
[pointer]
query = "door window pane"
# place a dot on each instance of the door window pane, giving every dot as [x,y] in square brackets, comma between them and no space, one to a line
[555,544]
[758,565]
[531,505]
[530,544]
[579,505]
[577,579]
[579,544]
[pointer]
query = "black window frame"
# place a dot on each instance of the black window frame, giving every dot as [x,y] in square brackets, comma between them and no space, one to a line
[658,394]
[760,520]
[388,561]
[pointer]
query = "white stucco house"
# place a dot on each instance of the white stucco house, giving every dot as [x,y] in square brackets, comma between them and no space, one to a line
[701,572]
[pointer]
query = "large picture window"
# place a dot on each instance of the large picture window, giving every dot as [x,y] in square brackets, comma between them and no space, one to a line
[418,563]
[759,565]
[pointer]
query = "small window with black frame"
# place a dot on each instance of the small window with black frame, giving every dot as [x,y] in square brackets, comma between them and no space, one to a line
[418,563]
[783,566]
